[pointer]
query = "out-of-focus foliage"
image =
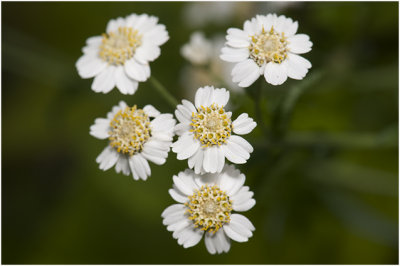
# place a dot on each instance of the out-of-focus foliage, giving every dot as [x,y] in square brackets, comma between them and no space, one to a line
[324,169]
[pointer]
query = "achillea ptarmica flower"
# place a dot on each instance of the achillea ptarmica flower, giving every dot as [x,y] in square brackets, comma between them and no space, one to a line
[121,56]
[205,208]
[199,50]
[135,136]
[206,132]
[268,45]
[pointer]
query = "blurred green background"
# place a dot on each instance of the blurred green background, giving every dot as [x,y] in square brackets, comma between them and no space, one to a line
[324,171]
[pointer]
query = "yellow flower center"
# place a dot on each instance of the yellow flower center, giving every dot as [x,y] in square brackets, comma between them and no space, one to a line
[211,125]
[119,46]
[130,130]
[209,208]
[268,47]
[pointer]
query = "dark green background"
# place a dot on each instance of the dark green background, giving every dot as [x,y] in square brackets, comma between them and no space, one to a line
[325,175]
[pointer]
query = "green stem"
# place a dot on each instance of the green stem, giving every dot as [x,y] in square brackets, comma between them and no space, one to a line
[258,111]
[255,93]
[164,92]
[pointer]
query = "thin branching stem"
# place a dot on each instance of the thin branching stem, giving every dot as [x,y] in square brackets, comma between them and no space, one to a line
[164,92]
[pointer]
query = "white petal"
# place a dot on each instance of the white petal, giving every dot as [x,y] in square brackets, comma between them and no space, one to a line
[175,214]
[133,167]
[89,65]
[224,241]
[137,71]
[175,218]
[299,44]
[155,153]
[234,54]
[217,243]
[95,40]
[275,74]
[190,236]
[221,159]
[163,123]
[243,124]
[105,81]
[162,136]
[251,26]
[235,153]
[239,228]
[145,23]
[210,163]
[220,97]
[121,106]
[159,160]
[100,128]
[206,179]
[185,183]
[123,165]
[290,27]
[124,84]
[177,195]
[114,24]
[151,111]
[146,53]
[107,158]
[173,209]
[179,226]
[242,143]
[145,164]
[196,161]
[184,113]
[209,242]
[139,167]
[244,222]
[187,113]
[245,206]
[204,96]
[237,38]
[297,66]
[189,106]
[245,73]
[242,200]
[279,24]
[181,128]
[158,35]
[185,146]
[231,180]
[157,145]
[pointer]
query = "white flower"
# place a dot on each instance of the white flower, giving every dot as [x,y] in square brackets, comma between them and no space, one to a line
[199,50]
[206,132]
[134,139]
[267,46]
[121,56]
[217,71]
[205,207]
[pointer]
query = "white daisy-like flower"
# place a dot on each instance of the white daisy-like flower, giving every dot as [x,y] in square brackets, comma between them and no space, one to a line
[268,45]
[135,136]
[199,50]
[205,208]
[206,132]
[120,57]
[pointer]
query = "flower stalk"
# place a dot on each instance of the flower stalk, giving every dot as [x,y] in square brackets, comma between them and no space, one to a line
[164,92]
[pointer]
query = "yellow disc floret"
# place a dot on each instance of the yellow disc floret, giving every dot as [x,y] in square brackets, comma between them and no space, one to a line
[209,208]
[119,46]
[268,47]
[130,130]
[211,125]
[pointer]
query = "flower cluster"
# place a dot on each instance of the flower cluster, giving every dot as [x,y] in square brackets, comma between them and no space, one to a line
[207,133]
